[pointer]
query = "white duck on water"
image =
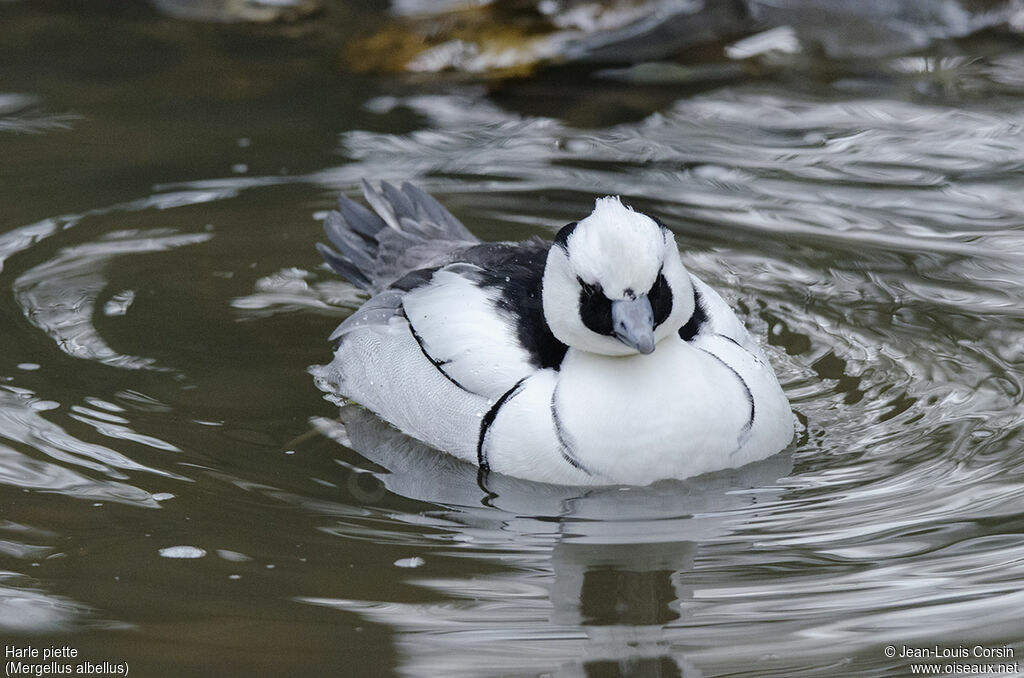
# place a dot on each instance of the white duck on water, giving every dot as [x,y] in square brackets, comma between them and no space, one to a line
[593,359]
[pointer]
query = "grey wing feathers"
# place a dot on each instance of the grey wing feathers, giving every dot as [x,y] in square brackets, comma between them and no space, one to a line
[408,229]
[377,311]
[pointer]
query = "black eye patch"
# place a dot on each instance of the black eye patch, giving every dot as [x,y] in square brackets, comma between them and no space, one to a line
[660,296]
[595,308]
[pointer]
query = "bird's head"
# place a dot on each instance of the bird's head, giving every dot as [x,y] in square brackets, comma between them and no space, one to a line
[614,283]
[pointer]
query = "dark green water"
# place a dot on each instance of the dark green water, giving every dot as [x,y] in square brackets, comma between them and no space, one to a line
[176,495]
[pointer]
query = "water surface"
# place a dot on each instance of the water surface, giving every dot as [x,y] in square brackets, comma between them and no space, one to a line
[176,494]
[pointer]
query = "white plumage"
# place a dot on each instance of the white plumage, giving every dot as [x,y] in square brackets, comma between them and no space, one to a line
[596,359]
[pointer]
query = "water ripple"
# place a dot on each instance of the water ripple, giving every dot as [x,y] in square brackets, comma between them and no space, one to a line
[878,246]
[59,296]
[26,433]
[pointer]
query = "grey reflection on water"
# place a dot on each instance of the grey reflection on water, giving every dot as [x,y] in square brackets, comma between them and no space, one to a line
[288,291]
[60,295]
[22,113]
[27,606]
[744,159]
[615,581]
[887,287]
[605,567]
[879,247]
[622,596]
[24,608]
[20,239]
[24,434]
[876,243]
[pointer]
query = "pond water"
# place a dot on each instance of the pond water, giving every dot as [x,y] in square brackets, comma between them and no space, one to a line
[177,496]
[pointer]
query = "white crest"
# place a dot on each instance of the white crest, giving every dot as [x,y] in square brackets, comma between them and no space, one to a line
[618,248]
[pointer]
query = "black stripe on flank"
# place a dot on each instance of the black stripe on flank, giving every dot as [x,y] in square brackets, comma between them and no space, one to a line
[481,481]
[746,388]
[697,320]
[565,444]
[438,364]
[728,338]
[488,420]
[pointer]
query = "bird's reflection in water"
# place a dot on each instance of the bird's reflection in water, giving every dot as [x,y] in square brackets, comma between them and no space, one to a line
[618,559]
[622,596]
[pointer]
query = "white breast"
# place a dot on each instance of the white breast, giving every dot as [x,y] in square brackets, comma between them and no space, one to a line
[675,413]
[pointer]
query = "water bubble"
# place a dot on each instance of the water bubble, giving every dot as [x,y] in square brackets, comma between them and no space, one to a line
[185,552]
[413,562]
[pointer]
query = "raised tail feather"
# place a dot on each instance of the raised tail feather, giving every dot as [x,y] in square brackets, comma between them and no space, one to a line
[408,229]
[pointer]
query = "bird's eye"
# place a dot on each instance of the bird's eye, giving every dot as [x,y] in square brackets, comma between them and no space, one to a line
[660,296]
[588,288]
